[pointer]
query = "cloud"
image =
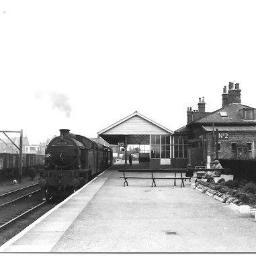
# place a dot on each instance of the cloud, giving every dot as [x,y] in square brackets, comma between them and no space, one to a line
[60,101]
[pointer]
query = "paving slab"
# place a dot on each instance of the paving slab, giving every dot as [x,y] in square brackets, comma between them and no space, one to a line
[139,218]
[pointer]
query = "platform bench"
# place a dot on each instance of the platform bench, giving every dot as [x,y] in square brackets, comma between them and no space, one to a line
[153,176]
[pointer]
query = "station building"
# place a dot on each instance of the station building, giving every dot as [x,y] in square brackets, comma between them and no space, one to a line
[227,133]
[152,140]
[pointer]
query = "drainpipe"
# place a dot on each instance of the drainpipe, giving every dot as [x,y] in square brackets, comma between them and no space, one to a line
[217,142]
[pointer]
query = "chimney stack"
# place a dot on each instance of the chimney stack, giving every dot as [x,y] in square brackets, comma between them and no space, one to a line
[201,105]
[234,93]
[189,115]
[224,96]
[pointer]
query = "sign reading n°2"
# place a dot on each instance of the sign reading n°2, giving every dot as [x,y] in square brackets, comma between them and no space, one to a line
[223,136]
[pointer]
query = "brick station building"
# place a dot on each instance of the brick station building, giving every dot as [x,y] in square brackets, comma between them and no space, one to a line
[228,132]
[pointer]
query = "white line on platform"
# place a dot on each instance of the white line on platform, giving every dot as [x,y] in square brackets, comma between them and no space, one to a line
[28,228]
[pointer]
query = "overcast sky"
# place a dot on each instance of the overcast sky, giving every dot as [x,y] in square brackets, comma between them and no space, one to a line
[83,65]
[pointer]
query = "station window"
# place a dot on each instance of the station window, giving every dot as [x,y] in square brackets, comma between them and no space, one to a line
[165,146]
[249,146]
[233,146]
[155,146]
[180,148]
[249,114]
[185,150]
[160,146]
[218,146]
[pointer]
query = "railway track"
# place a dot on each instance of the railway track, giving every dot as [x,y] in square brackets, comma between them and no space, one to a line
[16,204]
[5,224]
[21,191]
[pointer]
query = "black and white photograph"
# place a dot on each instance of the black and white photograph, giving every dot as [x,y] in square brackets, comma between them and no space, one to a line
[127,126]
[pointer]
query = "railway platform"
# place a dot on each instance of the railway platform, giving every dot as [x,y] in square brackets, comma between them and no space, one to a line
[105,216]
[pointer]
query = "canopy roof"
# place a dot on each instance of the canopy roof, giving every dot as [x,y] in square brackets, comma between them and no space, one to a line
[135,127]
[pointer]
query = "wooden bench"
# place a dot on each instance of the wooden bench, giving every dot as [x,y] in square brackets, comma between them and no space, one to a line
[153,176]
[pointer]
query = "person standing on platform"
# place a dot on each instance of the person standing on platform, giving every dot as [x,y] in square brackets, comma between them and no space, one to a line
[217,166]
[130,159]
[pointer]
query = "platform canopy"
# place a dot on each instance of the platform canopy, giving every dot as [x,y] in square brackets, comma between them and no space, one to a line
[133,129]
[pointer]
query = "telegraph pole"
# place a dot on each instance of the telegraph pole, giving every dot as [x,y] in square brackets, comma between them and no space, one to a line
[20,162]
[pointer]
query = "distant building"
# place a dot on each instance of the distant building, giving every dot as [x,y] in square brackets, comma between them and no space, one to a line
[32,149]
[229,132]
[7,147]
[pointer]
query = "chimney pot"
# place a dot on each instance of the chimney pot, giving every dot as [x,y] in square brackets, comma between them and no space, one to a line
[225,95]
[234,94]
[230,85]
[201,105]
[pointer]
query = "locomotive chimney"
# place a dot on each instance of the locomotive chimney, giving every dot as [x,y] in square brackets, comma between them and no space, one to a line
[64,132]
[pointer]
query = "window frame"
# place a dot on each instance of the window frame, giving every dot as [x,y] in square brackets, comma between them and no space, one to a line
[153,145]
[233,149]
[219,146]
[249,149]
[164,147]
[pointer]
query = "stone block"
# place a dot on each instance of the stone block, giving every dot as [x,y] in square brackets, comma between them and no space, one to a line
[244,210]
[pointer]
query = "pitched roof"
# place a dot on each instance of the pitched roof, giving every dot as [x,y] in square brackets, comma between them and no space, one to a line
[232,115]
[182,129]
[100,141]
[136,113]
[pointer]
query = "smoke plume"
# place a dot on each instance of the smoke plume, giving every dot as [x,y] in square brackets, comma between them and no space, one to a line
[60,102]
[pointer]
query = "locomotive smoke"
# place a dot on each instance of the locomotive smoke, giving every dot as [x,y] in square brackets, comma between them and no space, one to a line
[60,102]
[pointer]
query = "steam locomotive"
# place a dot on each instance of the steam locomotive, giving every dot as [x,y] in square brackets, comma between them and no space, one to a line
[72,160]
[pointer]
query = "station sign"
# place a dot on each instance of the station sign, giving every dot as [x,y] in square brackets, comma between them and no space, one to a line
[223,135]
